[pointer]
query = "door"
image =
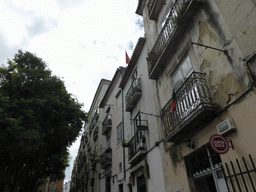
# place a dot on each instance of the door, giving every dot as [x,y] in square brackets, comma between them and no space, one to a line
[204,166]
[141,184]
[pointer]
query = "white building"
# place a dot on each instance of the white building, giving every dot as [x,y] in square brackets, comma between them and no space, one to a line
[141,119]
[112,156]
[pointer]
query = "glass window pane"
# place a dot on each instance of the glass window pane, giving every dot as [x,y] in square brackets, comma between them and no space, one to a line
[186,67]
[177,79]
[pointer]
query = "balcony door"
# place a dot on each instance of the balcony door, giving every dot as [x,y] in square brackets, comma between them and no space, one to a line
[108,184]
[204,166]
[182,73]
[139,135]
[137,121]
[141,184]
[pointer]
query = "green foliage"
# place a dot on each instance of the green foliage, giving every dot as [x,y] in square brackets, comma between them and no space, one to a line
[39,119]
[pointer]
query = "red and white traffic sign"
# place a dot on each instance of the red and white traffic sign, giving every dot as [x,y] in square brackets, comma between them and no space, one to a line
[219,144]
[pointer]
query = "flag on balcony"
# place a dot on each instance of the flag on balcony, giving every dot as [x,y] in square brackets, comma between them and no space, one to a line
[127,58]
[174,102]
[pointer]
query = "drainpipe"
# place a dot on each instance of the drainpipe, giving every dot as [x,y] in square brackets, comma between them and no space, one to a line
[123,133]
[162,126]
[123,127]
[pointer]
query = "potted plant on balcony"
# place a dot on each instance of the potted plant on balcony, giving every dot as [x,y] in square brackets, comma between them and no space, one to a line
[125,144]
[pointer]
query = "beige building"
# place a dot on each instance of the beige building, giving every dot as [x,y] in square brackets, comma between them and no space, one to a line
[87,166]
[201,55]
[112,156]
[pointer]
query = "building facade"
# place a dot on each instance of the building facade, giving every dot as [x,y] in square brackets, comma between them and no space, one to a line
[190,78]
[143,151]
[112,156]
[87,166]
[201,55]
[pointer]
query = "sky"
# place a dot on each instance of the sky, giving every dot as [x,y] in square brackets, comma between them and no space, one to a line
[82,41]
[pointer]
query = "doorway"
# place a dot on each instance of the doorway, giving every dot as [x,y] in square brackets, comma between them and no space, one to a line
[141,184]
[204,167]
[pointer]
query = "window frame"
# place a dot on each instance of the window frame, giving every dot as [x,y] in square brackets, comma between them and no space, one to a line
[177,85]
[119,133]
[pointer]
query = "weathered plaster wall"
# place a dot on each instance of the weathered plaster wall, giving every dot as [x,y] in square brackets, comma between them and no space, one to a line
[226,74]
[240,17]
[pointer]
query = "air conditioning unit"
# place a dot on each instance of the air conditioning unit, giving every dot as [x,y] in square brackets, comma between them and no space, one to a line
[226,127]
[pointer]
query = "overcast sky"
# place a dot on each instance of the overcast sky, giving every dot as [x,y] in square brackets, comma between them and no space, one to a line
[82,41]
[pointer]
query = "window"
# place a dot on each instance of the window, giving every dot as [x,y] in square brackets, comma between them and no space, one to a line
[108,142]
[120,188]
[118,99]
[182,73]
[119,132]
[134,76]
[137,121]
[165,16]
[120,167]
[108,184]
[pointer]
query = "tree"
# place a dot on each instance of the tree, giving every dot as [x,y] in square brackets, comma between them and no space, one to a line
[39,119]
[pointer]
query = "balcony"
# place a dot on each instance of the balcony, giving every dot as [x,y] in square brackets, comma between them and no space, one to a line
[194,108]
[133,95]
[180,15]
[86,170]
[142,125]
[137,147]
[93,161]
[89,146]
[91,128]
[95,134]
[107,124]
[95,117]
[154,8]
[106,159]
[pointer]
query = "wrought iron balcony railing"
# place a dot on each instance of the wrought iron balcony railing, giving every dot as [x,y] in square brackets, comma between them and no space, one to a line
[91,128]
[106,158]
[107,124]
[154,8]
[181,12]
[95,117]
[194,107]
[133,95]
[137,146]
[141,125]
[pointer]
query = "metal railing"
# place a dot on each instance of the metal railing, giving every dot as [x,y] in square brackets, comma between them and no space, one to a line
[95,117]
[135,87]
[137,143]
[241,177]
[192,94]
[106,157]
[107,123]
[166,33]
[141,124]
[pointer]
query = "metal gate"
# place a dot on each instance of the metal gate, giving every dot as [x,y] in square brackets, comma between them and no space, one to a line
[241,175]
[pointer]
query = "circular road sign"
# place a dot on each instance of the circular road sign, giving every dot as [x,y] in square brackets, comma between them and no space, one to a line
[219,144]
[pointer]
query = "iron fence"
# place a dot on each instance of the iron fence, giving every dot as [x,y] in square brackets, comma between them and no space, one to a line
[241,176]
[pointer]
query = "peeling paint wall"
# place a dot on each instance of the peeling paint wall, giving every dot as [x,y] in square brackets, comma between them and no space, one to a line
[240,17]
[225,25]
[229,26]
